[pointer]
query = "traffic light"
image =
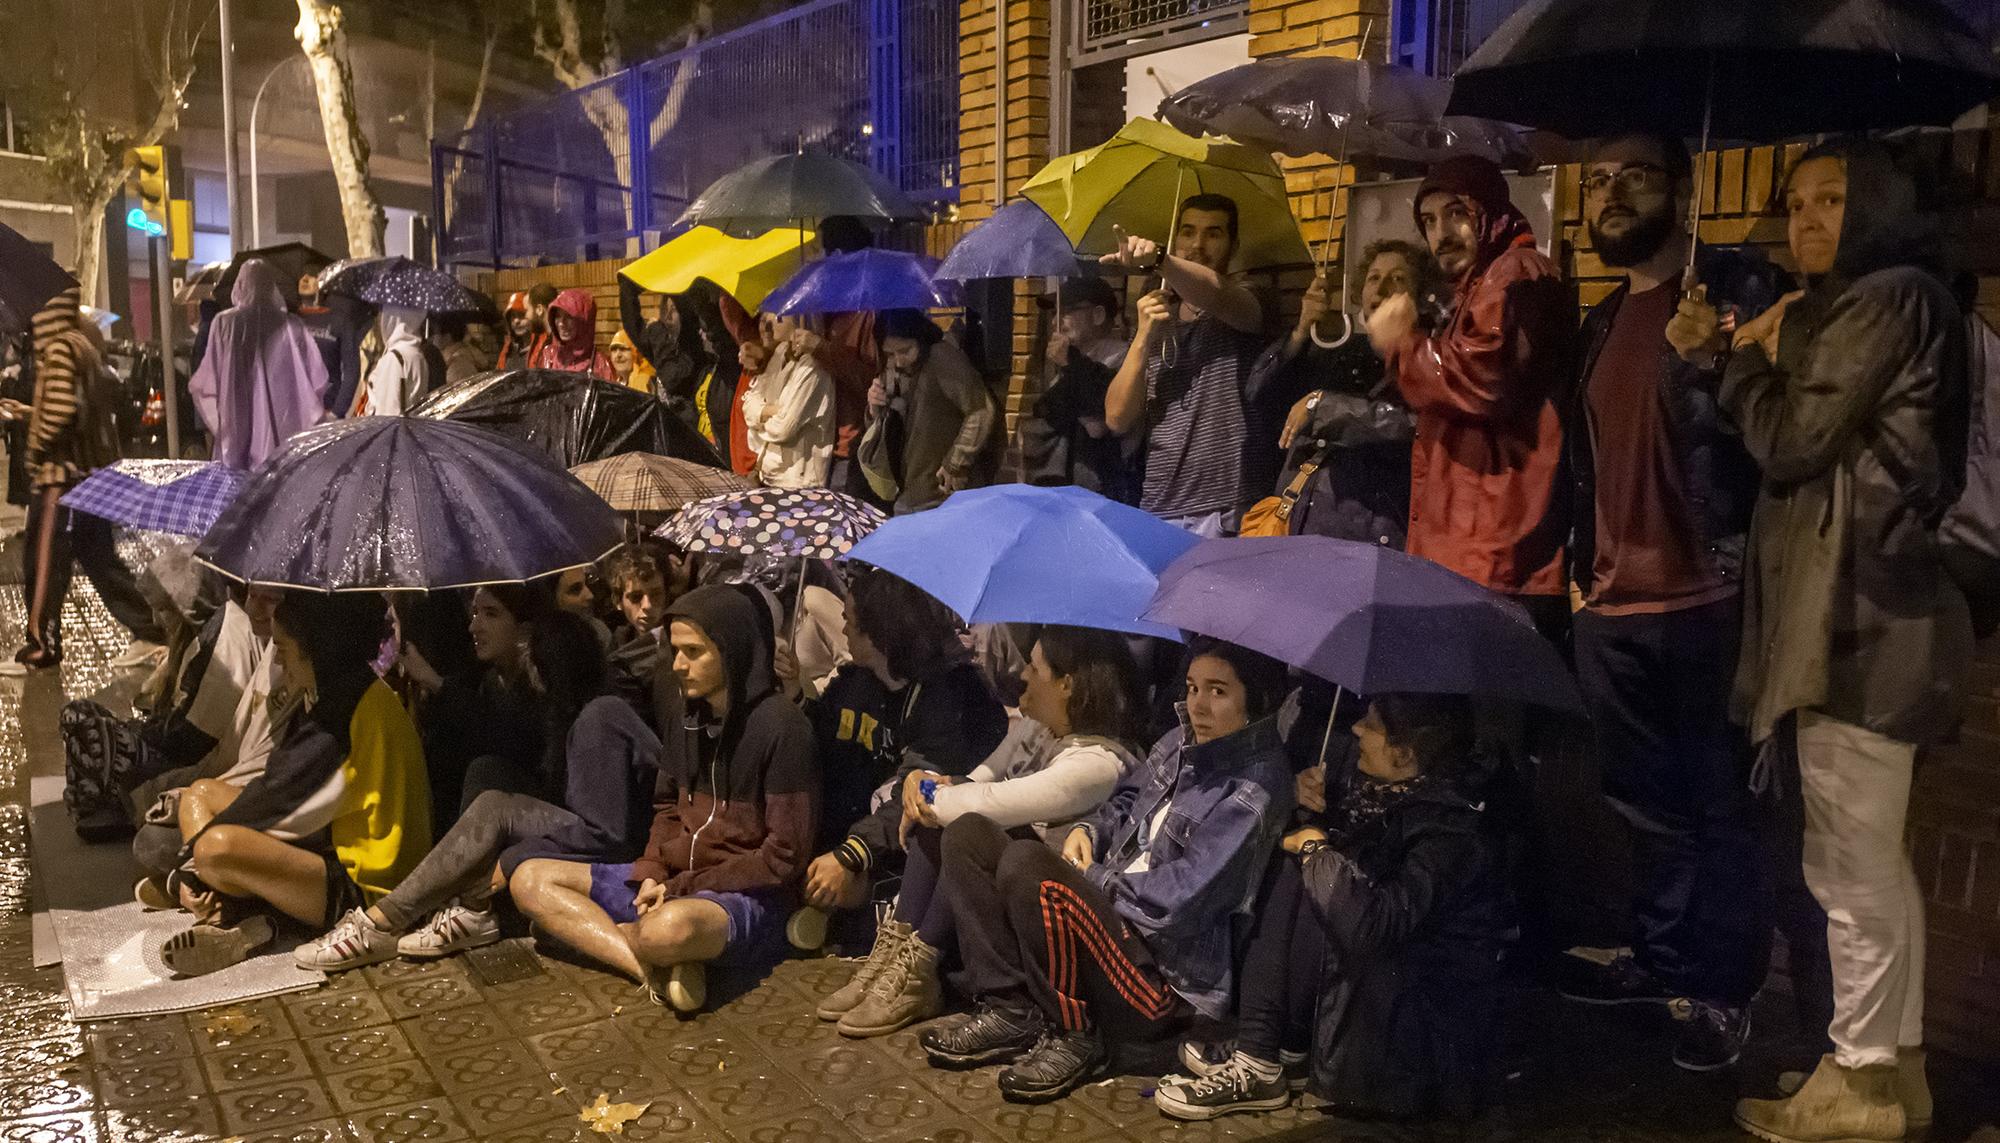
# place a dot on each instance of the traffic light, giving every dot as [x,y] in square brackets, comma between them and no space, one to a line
[148,180]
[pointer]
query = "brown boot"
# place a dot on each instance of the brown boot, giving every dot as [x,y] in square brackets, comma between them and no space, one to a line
[1913,1090]
[888,939]
[1836,1105]
[906,992]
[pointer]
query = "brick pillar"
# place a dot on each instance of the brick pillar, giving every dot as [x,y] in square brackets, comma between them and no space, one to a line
[1026,134]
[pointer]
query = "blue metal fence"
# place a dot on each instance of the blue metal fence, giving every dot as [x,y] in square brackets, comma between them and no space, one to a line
[875,80]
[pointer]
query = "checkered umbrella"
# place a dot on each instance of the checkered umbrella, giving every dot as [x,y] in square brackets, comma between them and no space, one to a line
[644,482]
[814,523]
[183,497]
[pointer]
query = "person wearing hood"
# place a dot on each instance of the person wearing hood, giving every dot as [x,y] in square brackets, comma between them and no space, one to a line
[263,378]
[630,369]
[1129,930]
[1082,688]
[72,430]
[1488,448]
[572,343]
[408,367]
[733,823]
[523,342]
[1856,640]
[1372,973]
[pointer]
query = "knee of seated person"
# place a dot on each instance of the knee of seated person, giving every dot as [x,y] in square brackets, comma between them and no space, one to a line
[530,882]
[1023,860]
[665,932]
[969,829]
[218,845]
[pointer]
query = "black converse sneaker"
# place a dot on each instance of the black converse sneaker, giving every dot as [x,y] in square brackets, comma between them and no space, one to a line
[1242,1084]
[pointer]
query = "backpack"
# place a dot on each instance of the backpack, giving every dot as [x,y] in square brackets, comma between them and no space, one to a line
[1969,535]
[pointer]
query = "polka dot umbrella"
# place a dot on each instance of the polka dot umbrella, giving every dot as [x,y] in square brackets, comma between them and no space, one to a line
[807,523]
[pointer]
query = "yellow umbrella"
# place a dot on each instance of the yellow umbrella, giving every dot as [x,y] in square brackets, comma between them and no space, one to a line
[1137,179]
[749,268]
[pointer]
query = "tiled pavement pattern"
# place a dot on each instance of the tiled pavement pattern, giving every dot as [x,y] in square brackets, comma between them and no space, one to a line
[506,1045]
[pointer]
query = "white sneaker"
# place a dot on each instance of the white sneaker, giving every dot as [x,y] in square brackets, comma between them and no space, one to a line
[139,654]
[683,988]
[451,929]
[353,942]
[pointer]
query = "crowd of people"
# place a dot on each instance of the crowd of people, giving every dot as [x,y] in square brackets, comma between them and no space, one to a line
[1719,496]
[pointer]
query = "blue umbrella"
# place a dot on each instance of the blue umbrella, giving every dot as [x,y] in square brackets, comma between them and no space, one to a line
[1015,553]
[397,281]
[861,280]
[180,496]
[1369,618]
[404,503]
[1019,241]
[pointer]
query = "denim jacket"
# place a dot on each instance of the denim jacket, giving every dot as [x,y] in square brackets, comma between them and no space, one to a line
[1230,801]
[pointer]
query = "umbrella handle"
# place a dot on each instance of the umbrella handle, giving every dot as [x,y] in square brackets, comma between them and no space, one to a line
[1346,333]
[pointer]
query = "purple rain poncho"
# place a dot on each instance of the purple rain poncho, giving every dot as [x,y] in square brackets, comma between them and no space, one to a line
[262,378]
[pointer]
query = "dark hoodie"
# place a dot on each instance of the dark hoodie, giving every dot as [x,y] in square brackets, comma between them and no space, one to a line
[1488,448]
[737,802]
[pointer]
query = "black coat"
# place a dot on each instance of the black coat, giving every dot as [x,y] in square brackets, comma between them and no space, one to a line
[1359,436]
[1415,912]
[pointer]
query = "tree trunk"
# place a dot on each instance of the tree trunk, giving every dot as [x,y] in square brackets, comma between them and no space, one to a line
[89,222]
[319,34]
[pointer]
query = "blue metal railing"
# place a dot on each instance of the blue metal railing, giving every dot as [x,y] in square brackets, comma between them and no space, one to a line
[876,80]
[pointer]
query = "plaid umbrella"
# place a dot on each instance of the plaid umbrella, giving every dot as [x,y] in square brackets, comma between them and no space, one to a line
[179,496]
[814,523]
[644,482]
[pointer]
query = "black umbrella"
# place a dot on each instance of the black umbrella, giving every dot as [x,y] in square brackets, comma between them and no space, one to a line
[572,417]
[1766,69]
[28,279]
[1328,105]
[397,281]
[292,260]
[802,189]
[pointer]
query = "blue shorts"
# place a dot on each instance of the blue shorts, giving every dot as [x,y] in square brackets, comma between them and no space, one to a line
[756,920]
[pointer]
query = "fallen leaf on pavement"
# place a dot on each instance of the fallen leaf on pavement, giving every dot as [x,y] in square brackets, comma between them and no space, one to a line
[608,1118]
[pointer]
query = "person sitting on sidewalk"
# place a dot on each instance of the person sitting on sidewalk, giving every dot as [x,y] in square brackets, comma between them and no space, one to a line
[733,823]
[1378,938]
[1082,686]
[599,752]
[340,814]
[1132,926]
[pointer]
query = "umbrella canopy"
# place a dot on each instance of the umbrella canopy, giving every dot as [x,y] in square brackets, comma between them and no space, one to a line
[397,281]
[988,553]
[292,260]
[28,279]
[1137,181]
[642,482]
[183,497]
[789,190]
[1304,105]
[747,269]
[571,418]
[1369,618]
[400,503]
[810,523]
[1768,70]
[862,280]
[1019,241]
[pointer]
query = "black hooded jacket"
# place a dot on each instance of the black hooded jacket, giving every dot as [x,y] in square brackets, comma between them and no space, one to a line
[737,800]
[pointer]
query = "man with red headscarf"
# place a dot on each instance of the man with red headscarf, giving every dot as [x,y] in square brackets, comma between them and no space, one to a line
[1484,466]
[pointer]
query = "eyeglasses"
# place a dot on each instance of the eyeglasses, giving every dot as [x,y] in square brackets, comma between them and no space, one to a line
[1637,178]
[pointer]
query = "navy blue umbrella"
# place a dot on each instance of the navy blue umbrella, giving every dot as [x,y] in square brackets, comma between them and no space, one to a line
[28,279]
[862,280]
[404,503]
[1019,241]
[1015,553]
[397,281]
[1372,619]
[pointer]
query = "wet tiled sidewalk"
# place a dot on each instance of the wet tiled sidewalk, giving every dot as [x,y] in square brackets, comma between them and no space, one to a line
[507,1045]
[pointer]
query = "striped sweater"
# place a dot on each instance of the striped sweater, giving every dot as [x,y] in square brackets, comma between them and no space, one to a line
[61,355]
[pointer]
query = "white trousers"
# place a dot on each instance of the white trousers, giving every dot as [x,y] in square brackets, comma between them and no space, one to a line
[1856,785]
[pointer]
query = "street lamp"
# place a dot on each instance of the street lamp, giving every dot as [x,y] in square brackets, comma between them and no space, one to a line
[256,187]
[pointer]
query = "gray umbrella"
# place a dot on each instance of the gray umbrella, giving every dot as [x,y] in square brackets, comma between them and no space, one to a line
[792,190]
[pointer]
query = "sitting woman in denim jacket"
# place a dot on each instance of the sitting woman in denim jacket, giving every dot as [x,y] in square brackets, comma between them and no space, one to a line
[1129,928]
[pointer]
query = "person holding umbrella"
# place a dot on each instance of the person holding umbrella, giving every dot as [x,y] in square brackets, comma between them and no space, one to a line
[1855,637]
[1488,448]
[1067,441]
[946,411]
[408,367]
[1183,378]
[263,378]
[788,411]
[1663,489]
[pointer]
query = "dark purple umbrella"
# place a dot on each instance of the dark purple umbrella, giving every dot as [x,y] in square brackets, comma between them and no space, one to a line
[1369,618]
[404,503]
[1019,241]
[397,281]
[862,280]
